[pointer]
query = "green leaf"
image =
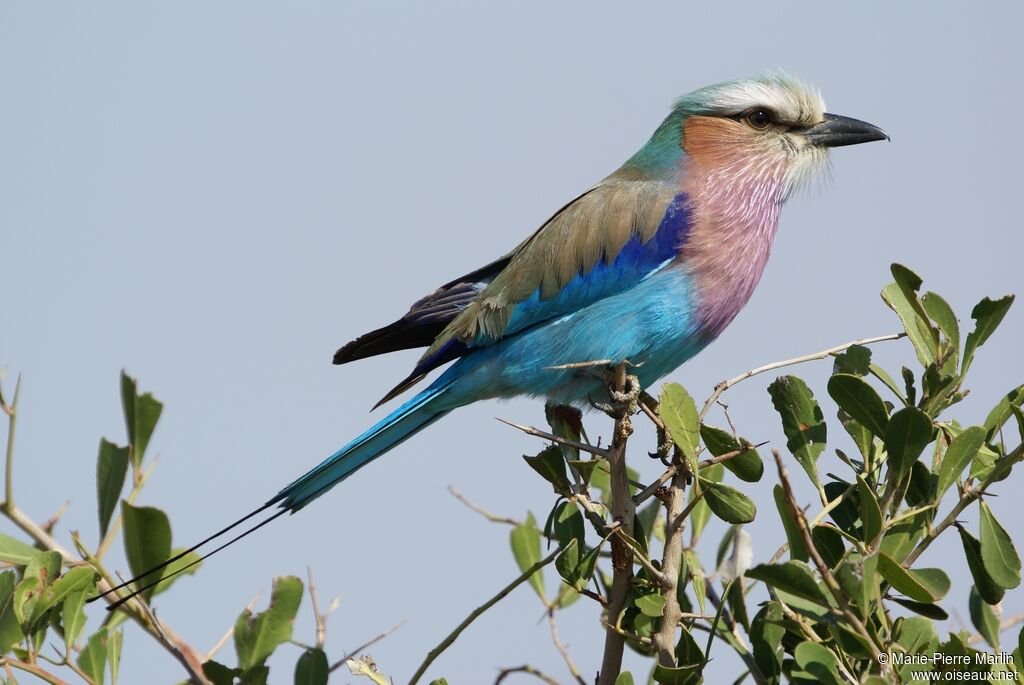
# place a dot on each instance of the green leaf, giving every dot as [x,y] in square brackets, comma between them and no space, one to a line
[651,604]
[525,542]
[997,551]
[984,619]
[585,468]
[93,657]
[75,580]
[797,547]
[802,422]
[916,635]
[870,513]
[987,315]
[111,469]
[10,626]
[147,541]
[860,401]
[550,464]
[42,570]
[701,513]
[219,674]
[1001,413]
[829,542]
[766,635]
[312,668]
[728,503]
[817,663]
[141,413]
[856,360]
[680,675]
[16,552]
[908,384]
[862,437]
[939,311]
[989,590]
[696,576]
[679,412]
[922,585]
[907,434]
[568,524]
[624,678]
[883,375]
[565,422]
[256,637]
[793,577]
[115,638]
[185,566]
[577,564]
[921,487]
[919,331]
[869,589]
[932,611]
[73,617]
[747,466]
[958,455]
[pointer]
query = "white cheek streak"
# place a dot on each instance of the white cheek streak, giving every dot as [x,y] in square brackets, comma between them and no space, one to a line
[808,168]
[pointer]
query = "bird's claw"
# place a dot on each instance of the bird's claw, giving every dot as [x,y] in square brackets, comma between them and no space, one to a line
[623,402]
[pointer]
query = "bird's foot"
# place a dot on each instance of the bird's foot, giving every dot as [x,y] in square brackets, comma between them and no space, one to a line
[623,402]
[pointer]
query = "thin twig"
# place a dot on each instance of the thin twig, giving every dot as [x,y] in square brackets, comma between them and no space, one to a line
[35,670]
[369,643]
[320,618]
[493,518]
[527,669]
[227,635]
[580,365]
[826,574]
[12,415]
[451,637]
[538,433]
[832,351]
[1000,470]
[562,649]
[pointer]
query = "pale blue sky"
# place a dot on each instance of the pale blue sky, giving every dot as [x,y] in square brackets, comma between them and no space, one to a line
[217,195]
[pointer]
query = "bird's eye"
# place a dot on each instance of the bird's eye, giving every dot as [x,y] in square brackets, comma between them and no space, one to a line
[759,119]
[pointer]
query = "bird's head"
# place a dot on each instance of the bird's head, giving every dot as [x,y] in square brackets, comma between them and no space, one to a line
[771,130]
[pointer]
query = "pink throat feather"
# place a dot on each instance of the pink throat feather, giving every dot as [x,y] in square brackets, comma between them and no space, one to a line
[736,207]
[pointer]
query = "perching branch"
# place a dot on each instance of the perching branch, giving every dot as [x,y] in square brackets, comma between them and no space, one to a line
[675,524]
[623,511]
[830,352]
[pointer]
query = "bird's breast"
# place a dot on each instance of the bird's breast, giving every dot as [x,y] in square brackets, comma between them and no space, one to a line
[726,253]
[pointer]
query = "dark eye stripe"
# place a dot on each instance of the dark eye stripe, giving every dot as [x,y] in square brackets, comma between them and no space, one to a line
[758,118]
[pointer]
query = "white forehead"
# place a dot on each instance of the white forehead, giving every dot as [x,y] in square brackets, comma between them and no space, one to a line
[794,101]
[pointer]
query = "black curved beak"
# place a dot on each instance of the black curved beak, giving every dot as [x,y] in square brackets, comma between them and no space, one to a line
[836,131]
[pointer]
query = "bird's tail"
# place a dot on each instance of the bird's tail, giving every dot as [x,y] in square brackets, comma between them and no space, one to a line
[413,416]
[410,418]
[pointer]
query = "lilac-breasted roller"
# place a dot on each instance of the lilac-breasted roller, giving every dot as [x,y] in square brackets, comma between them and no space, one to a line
[649,265]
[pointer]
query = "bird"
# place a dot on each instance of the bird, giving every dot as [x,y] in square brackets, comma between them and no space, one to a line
[649,266]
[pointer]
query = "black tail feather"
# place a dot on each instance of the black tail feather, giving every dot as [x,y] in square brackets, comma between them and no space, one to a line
[139,590]
[400,335]
[191,549]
